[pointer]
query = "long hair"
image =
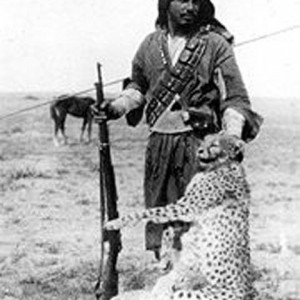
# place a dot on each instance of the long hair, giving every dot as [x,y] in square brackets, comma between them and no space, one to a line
[206,14]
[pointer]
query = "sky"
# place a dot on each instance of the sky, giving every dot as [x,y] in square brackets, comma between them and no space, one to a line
[54,45]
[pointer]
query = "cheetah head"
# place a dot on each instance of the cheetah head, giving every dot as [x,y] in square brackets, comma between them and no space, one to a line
[217,149]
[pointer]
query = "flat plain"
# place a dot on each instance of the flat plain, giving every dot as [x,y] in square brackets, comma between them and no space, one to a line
[49,204]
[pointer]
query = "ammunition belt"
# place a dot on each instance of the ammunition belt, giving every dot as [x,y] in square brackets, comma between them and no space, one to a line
[173,80]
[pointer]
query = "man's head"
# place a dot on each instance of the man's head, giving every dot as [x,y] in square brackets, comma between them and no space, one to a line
[184,12]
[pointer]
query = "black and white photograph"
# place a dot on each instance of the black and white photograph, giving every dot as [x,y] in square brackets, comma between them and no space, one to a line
[149,150]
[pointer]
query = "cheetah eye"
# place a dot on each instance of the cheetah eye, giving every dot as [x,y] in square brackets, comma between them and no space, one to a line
[214,147]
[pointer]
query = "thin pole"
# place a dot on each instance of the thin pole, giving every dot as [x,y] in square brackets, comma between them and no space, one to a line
[255,39]
[63,98]
[265,36]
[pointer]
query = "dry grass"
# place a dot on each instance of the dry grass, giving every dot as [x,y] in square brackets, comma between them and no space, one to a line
[49,213]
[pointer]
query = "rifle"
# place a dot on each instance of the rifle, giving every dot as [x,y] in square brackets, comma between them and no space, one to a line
[107,284]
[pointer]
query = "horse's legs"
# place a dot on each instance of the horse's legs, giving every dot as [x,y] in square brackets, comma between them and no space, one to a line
[55,138]
[90,121]
[55,116]
[63,116]
[83,129]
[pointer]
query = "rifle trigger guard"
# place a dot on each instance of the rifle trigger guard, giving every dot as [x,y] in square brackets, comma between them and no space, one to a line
[102,146]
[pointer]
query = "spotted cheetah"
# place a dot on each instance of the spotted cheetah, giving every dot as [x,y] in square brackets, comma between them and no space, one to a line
[211,256]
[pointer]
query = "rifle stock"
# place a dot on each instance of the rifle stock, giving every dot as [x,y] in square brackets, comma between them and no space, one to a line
[107,284]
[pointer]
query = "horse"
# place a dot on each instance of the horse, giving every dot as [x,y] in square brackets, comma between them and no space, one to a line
[79,107]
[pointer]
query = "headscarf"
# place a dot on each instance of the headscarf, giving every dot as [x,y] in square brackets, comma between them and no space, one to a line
[206,14]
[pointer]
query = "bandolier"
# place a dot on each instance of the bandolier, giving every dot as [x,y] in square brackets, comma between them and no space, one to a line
[176,81]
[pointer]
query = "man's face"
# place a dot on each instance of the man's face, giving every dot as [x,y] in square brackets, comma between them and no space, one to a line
[183,12]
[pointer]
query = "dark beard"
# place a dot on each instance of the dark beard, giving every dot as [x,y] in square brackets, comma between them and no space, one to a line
[187,29]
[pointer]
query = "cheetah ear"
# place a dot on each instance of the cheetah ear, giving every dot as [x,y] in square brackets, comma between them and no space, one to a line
[239,156]
[237,151]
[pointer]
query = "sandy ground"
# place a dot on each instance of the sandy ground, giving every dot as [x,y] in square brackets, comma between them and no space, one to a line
[49,204]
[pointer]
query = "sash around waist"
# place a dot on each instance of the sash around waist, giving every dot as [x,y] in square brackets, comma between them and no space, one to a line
[171,122]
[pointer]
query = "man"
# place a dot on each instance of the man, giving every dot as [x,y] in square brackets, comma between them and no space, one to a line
[186,76]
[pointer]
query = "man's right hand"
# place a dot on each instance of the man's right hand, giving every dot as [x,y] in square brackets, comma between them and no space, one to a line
[111,112]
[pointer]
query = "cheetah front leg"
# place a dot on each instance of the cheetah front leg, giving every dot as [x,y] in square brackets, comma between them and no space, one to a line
[164,287]
[210,293]
[177,282]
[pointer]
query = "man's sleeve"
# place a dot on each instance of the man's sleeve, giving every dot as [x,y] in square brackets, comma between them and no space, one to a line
[234,93]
